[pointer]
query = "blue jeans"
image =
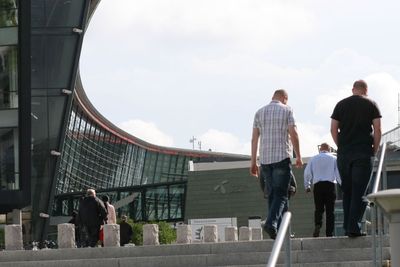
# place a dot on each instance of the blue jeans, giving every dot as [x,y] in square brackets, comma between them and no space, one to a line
[277,181]
[355,171]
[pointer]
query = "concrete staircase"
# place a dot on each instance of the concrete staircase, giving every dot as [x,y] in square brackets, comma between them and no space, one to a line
[310,252]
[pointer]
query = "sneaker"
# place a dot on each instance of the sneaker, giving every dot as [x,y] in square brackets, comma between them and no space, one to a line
[316,231]
[352,235]
[271,232]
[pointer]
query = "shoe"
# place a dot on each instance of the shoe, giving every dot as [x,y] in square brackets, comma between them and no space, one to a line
[352,235]
[316,231]
[271,232]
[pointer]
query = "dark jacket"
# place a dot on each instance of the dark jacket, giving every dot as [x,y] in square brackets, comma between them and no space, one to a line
[125,231]
[92,212]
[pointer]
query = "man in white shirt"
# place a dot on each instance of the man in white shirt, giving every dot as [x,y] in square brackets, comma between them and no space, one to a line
[322,172]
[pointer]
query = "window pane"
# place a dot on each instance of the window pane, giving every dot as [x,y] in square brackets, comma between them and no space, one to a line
[57,13]
[8,13]
[9,167]
[8,77]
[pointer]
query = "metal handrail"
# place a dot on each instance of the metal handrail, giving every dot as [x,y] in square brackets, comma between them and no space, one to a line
[379,170]
[375,212]
[283,235]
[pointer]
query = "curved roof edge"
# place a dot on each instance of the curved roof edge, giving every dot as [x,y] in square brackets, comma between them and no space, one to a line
[84,102]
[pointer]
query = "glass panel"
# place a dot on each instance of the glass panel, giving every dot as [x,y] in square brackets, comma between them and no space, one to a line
[8,77]
[57,107]
[9,167]
[176,201]
[57,13]
[8,13]
[157,203]
[52,59]
[9,36]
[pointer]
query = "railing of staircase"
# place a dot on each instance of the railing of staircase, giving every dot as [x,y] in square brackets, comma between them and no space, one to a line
[283,236]
[376,214]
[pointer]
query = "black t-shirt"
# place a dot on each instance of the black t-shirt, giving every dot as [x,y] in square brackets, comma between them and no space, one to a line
[355,115]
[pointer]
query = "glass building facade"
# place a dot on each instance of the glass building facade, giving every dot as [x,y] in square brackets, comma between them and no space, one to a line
[54,144]
[14,105]
[96,154]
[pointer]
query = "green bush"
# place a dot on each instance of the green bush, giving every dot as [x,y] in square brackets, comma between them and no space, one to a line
[167,234]
[137,237]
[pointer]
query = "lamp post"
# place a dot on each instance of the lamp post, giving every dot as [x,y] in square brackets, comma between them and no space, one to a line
[192,140]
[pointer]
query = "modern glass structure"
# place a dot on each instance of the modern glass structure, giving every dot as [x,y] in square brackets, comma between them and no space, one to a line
[54,144]
[14,104]
[96,154]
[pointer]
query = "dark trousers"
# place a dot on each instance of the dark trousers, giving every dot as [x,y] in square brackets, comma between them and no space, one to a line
[89,235]
[277,182]
[355,171]
[324,200]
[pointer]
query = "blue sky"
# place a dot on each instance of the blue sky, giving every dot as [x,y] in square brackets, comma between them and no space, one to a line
[167,70]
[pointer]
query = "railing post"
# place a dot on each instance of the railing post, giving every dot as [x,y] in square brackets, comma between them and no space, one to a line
[288,247]
[375,213]
[373,233]
[280,238]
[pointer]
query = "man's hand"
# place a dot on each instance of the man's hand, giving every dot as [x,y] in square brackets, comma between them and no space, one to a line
[308,190]
[254,170]
[299,162]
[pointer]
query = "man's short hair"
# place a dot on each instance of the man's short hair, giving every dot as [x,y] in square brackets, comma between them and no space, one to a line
[124,217]
[280,93]
[91,192]
[360,84]
[325,146]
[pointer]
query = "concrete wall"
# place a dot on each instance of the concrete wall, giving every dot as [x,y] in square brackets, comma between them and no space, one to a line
[234,193]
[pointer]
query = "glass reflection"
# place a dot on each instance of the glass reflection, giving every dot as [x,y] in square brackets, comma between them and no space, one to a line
[8,77]
[8,13]
[9,169]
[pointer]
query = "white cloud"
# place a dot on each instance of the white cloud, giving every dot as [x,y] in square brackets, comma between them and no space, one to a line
[325,103]
[147,131]
[223,142]
[312,135]
[382,88]
[257,23]
[385,89]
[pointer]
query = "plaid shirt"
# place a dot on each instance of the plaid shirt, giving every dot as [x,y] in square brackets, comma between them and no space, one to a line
[274,120]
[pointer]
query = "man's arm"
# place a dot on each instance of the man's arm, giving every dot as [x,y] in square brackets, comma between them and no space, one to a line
[254,147]
[335,130]
[294,137]
[376,124]
[308,176]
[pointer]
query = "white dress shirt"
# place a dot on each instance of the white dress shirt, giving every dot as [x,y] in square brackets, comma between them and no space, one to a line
[322,167]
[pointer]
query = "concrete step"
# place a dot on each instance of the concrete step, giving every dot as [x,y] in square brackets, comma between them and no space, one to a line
[304,252]
[238,260]
[328,264]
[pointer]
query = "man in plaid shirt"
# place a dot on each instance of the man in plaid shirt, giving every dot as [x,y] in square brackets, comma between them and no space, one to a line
[275,127]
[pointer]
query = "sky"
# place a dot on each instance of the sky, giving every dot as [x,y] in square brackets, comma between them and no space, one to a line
[169,70]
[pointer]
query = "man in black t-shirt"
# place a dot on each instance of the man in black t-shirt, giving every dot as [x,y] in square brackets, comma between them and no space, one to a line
[356,130]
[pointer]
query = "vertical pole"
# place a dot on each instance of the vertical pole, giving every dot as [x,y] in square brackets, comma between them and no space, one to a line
[380,237]
[373,233]
[288,247]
